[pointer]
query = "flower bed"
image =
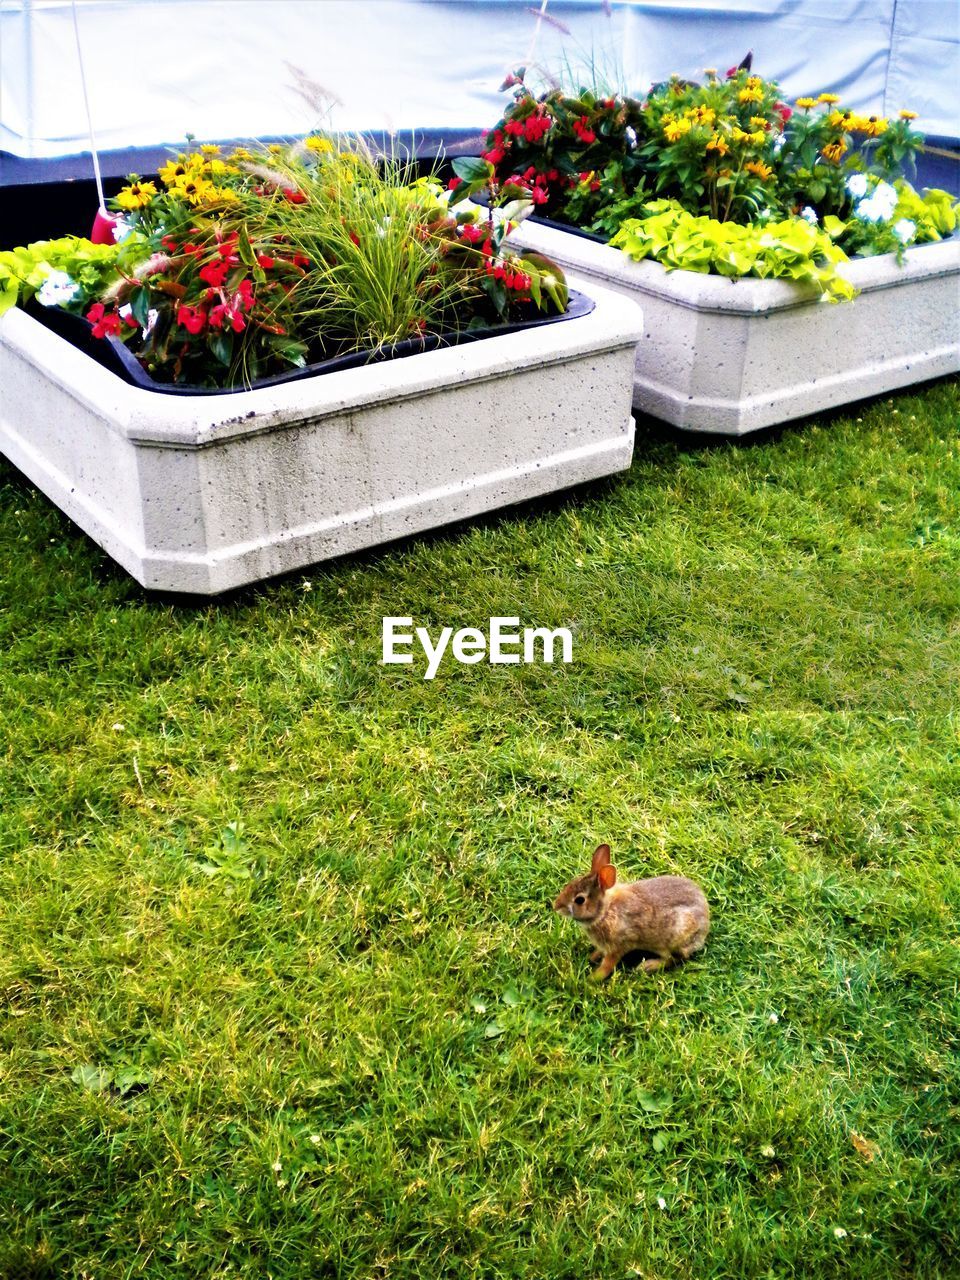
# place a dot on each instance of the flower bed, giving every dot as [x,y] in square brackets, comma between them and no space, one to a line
[733,356]
[731,217]
[340,361]
[200,494]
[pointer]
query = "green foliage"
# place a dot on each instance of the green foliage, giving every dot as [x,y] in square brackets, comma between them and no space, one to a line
[788,250]
[383,1056]
[240,267]
[94,267]
[726,148]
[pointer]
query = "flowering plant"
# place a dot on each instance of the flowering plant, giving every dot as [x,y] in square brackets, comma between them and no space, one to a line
[573,153]
[731,150]
[241,266]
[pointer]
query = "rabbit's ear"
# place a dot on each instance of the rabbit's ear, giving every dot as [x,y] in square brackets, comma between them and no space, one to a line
[601,858]
[607,875]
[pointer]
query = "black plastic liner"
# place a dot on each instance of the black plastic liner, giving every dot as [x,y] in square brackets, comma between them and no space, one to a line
[113,355]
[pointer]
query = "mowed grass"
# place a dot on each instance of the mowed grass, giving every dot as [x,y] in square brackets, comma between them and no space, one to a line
[349,1039]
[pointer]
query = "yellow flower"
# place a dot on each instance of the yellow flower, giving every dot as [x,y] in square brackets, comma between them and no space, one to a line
[210,149]
[137,195]
[758,138]
[676,129]
[873,126]
[275,148]
[828,99]
[759,122]
[241,153]
[805,103]
[834,150]
[754,82]
[738,136]
[750,95]
[762,170]
[908,115]
[838,120]
[700,115]
[226,195]
[317,144]
[717,144]
[194,189]
[709,71]
[172,171]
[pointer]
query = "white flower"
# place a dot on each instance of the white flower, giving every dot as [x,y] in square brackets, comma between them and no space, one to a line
[905,230]
[56,290]
[809,215]
[631,136]
[768,1152]
[839,1232]
[857,185]
[661,1202]
[778,145]
[773,1019]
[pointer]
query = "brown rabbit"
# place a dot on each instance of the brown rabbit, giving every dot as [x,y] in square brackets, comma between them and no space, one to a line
[667,915]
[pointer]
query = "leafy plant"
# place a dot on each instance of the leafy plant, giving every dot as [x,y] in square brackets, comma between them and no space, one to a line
[790,249]
[236,267]
[231,856]
[729,149]
[72,269]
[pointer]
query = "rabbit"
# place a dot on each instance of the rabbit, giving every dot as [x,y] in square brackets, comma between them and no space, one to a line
[667,915]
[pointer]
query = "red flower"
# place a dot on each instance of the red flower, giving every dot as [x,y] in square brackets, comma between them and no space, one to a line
[103,321]
[583,131]
[454,183]
[539,195]
[214,273]
[226,247]
[536,126]
[169,243]
[264,260]
[355,238]
[515,128]
[471,233]
[294,195]
[300,260]
[783,111]
[192,318]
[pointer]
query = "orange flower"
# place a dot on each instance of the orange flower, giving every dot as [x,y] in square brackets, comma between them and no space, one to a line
[834,150]
[763,171]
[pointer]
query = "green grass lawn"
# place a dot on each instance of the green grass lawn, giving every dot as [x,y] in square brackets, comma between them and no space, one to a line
[349,1039]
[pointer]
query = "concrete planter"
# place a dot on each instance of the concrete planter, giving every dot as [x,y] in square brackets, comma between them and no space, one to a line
[732,356]
[203,493]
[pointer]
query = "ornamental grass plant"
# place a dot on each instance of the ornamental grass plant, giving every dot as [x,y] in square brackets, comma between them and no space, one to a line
[231,268]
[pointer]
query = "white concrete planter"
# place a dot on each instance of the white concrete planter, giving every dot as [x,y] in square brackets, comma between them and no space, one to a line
[732,356]
[203,493]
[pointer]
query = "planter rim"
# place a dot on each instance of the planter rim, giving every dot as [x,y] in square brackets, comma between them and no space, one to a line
[747,296]
[199,421]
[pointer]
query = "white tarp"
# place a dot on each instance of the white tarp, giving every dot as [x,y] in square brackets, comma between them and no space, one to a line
[158,69]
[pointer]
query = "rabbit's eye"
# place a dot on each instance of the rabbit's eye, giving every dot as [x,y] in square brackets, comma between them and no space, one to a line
[579,899]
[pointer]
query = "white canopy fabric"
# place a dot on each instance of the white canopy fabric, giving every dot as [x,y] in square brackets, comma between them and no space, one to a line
[160,69]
